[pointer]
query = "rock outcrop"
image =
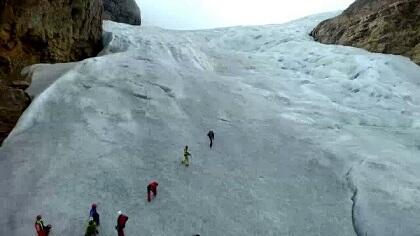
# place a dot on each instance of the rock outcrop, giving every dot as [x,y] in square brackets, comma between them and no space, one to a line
[384,26]
[42,31]
[123,11]
[13,102]
[33,31]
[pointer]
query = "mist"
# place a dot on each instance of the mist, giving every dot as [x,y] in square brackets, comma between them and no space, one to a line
[203,14]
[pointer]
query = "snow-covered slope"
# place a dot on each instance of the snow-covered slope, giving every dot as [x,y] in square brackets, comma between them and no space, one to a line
[311,139]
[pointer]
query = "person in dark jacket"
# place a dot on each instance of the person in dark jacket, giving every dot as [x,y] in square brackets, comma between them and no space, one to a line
[210,134]
[94,214]
[152,188]
[91,229]
[40,227]
[121,221]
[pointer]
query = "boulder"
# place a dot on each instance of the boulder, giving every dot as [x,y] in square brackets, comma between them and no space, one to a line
[123,11]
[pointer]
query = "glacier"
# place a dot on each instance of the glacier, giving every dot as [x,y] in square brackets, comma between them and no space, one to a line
[310,139]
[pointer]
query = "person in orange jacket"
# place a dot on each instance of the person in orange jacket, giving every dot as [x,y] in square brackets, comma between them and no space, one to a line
[40,227]
[152,188]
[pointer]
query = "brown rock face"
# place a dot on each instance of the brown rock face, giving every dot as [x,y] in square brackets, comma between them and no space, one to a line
[123,11]
[384,26]
[33,31]
[12,104]
[42,31]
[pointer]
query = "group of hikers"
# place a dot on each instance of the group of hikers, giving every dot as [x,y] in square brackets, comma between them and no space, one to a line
[93,223]
[91,229]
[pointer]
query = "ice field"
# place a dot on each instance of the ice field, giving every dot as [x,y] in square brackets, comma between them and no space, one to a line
[310,139]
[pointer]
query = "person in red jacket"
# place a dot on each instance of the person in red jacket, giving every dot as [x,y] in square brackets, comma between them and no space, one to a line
[40,227]
[151,188]
[121,221]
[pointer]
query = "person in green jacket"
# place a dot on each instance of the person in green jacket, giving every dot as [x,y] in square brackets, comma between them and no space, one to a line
[186,160]
[91,230]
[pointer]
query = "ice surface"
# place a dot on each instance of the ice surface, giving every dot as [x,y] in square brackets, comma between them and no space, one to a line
[311,139]
[43,75]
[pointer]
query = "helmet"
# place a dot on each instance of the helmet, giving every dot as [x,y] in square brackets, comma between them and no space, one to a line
[94,205]
[119,213]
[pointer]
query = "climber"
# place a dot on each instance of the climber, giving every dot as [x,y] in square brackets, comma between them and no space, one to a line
[121,220]
[186,160]
[94,214]
[151,188]
[211,137]
[40,227]
[91,229]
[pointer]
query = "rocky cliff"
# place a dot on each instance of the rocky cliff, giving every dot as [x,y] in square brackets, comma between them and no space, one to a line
[34,31]
[12,104]
[123,11]
[384,26]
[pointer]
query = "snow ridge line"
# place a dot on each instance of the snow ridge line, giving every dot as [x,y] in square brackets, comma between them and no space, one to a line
[353,198]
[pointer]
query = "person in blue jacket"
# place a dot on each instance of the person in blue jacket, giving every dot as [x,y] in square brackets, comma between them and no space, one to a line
[94,214]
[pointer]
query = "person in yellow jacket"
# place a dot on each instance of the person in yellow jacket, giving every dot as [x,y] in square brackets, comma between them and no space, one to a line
[186,160]
[91,229]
